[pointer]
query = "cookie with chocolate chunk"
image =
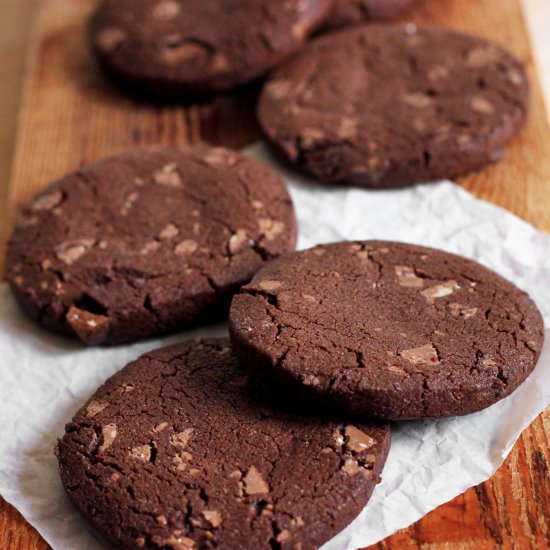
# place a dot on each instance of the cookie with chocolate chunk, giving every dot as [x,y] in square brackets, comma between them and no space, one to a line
[350,12]
[148,241]
[388,330]
[390,105]
[181,450]
[182,47]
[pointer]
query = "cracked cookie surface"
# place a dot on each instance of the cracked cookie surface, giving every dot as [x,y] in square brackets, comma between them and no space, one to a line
[391,105]
[178,47]
[180,450]
[388,330]
[349,12]
[146,242]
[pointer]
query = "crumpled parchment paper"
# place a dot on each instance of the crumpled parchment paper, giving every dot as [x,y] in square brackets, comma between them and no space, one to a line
[44,379]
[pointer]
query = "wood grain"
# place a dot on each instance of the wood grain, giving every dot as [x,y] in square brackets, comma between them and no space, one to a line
[15,25]
[71,116]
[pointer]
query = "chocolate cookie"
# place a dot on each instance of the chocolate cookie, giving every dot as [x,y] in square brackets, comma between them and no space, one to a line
[349,12]
[146,242]
[388,330]
[178,47]
[180,450]
[383,106]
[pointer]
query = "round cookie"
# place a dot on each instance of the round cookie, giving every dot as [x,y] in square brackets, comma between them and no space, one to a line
[350,12]
[180,450]
[388,330]
[148,241]
[179,47]
[390,105]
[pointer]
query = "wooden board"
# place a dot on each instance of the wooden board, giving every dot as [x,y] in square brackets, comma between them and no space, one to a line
[70,117]
[14,32]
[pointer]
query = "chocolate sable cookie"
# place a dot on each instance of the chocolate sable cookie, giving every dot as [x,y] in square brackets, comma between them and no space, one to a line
[180,450]
[178,47]
[349,12]
[383,106]
[388,330]
[147,242]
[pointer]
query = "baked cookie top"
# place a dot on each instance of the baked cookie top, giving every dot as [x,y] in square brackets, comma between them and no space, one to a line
[391,105]
[181,450]
[388,330]
[148,241]
[173,47]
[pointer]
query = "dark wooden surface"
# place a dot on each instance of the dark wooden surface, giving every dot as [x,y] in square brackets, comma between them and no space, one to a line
[70,116]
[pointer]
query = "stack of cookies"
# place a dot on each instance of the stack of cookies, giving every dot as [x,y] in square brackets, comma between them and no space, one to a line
[274,437]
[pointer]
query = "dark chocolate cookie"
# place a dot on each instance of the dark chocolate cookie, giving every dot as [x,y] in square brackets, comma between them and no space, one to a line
[349,12]
[388,330]
[178,47]
[147,242]
[383,106]
[180,451]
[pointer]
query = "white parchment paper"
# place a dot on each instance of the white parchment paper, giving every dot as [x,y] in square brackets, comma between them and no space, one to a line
[44,379]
